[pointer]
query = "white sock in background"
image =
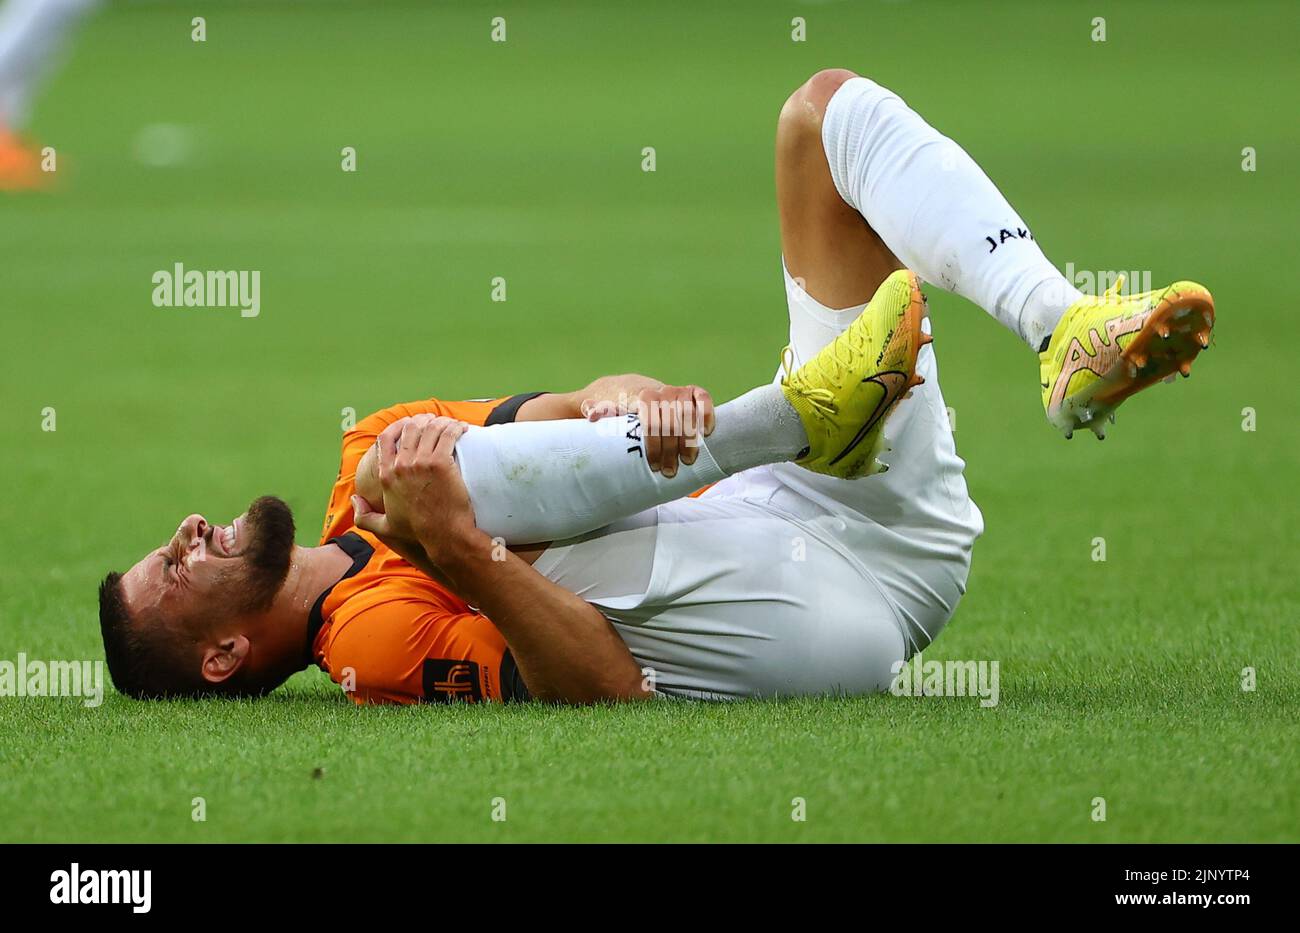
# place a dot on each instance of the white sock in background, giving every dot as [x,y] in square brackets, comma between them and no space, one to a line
[938,212]
[32,34]
[550,480]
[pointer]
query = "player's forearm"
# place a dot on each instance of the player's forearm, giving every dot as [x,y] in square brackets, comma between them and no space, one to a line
[619,389]
[566,650]
[625,386]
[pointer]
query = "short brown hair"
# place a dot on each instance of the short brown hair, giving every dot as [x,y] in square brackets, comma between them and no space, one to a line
[154,661]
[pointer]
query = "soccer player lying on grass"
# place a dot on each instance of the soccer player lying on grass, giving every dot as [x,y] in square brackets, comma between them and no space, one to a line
[511,548]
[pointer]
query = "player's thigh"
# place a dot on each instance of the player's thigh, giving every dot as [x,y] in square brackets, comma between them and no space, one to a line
[756,607]
[854,647]
[850,654]
[828,246]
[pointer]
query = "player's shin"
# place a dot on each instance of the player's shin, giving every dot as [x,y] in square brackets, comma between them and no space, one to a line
[550,480]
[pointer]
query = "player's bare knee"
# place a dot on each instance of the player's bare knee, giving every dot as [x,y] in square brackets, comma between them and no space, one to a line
[803,111]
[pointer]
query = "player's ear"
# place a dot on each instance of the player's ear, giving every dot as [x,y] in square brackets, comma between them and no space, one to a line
[224,658]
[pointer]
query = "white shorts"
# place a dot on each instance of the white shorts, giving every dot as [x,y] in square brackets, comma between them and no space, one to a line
[781,582]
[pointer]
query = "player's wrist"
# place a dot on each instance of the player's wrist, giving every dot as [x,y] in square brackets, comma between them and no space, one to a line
[449,546]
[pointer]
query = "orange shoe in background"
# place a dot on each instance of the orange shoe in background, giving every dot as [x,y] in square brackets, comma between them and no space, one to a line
[20,164]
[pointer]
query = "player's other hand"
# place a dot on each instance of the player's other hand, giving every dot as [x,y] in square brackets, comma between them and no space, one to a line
[673,420]
[424,496]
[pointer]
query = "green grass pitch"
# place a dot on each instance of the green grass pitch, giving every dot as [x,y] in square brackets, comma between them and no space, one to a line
[1120,679]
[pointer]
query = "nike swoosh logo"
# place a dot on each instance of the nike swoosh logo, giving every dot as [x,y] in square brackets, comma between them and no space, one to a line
[894,383]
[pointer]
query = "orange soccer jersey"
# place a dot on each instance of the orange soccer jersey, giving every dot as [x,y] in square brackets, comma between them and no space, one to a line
[386,632]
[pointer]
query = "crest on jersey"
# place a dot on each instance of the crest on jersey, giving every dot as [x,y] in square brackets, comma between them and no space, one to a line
[446,681]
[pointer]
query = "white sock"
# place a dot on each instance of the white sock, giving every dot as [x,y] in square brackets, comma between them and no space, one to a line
[758,427]
[32,33]
[938,212]
[550,480]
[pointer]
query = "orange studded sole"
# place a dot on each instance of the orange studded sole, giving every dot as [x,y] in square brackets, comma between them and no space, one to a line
[1174,334]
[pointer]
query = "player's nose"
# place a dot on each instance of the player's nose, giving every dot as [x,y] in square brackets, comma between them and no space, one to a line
[192,530]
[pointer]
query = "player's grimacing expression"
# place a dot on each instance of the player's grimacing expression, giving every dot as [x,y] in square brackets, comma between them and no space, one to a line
[206,570]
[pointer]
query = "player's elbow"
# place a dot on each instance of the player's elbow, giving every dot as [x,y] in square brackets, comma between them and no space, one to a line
[628,689]
[622,681]
[613,687]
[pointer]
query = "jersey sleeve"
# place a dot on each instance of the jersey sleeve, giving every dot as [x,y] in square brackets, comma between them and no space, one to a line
[405,651]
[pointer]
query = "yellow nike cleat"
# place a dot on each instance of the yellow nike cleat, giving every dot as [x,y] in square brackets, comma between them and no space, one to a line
[1105,349]
[845,392]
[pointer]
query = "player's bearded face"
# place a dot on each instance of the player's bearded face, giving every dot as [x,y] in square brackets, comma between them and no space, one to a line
[209,573]
[262,549]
